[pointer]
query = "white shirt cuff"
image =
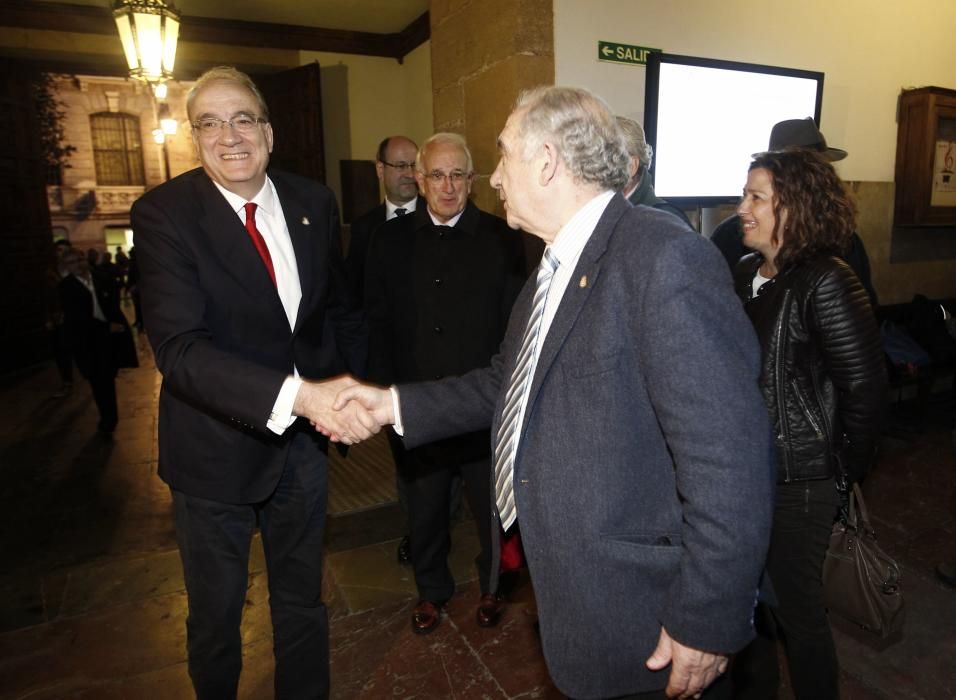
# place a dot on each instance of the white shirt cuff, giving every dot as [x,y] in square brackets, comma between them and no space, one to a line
[397,412]
[281,417]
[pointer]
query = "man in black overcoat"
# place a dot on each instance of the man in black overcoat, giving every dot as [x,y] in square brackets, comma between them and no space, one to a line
[439,286]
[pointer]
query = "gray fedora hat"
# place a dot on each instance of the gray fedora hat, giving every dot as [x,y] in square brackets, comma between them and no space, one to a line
[802,133]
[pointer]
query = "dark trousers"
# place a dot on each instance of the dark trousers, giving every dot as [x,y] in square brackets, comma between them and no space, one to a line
[428,487]
[98,367]
[60,343]
[214,540]
[402,478]
[802,521]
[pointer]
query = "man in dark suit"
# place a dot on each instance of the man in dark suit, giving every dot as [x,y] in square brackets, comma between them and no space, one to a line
[439,286]
[247,307]
[97,332]
[631,442]
[395,167]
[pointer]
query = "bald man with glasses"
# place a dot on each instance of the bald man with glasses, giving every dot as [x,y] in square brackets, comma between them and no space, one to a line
[395,167]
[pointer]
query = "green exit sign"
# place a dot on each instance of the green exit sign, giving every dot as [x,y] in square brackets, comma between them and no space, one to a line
[612,52]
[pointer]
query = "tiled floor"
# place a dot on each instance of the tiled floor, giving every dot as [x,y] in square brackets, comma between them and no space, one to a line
[93,601]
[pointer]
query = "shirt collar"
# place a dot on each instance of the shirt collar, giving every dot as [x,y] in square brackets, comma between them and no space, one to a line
[265,198]
[575,234]
[408,206]
[451,222]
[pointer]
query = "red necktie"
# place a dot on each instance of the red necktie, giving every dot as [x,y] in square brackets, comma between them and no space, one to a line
[258,241]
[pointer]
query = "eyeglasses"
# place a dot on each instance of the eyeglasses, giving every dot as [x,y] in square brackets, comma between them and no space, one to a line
[243,123]
[437,177]
[400,166]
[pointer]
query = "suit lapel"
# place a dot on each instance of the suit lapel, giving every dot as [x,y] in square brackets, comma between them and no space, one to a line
[232,243]
[585,276]
[303,240]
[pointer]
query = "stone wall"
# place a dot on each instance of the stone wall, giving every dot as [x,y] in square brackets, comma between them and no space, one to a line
[931,265]
[483,55]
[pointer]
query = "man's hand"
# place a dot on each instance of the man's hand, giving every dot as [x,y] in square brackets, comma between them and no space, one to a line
[691,670]
[314,402]
[376,400]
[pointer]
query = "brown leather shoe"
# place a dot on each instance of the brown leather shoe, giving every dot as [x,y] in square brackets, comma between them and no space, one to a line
[425,617]
[489,610]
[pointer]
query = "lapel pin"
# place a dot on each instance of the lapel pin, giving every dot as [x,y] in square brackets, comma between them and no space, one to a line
[305,221]
[584,281]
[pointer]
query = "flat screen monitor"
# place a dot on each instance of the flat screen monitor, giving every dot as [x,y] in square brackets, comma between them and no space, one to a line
[705,118]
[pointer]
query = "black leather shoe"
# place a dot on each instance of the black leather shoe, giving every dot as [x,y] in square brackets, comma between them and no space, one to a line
[425,617]
[489,610]
[404,552]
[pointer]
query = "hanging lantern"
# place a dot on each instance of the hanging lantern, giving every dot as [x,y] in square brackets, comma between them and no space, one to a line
[167,122]
[149,30]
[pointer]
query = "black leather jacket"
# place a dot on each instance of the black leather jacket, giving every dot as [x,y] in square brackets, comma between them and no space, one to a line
[823,375]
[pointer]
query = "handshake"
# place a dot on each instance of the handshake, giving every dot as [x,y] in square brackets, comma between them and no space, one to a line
[344,409]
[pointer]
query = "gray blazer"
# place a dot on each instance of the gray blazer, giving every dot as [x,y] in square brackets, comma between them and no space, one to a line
[644,475]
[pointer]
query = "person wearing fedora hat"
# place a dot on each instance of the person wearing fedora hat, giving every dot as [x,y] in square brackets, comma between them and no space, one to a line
[795,133]
[802,133]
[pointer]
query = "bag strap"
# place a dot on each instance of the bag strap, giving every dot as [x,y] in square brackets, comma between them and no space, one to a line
[857,502]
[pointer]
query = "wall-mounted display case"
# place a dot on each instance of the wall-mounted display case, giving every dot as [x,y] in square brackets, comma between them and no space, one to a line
[926,158]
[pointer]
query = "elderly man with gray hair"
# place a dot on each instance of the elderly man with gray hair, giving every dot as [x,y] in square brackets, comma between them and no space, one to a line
[630,440]
[639,189]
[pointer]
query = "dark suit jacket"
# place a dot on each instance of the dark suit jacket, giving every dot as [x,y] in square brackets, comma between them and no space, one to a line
[88,337]
[644,475]
[438,301]
[644,194]
[221,337]
[360,236]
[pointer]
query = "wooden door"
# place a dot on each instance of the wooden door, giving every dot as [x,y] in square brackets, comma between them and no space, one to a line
[294,98]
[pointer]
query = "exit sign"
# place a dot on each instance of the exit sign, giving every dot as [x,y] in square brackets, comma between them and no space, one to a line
[612,52]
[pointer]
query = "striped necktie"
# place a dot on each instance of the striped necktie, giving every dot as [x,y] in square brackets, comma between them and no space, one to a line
[506,444]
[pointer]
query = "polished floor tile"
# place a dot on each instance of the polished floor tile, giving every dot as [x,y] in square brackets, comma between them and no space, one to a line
[94,606]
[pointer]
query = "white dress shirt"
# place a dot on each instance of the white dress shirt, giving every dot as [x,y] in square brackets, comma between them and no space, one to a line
[566,248]
[97,309]
[408,206]
[271,223]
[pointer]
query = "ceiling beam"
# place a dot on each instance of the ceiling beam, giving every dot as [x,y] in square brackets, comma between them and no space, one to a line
[87,19]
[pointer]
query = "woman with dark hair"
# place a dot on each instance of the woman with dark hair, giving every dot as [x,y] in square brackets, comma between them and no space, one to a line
[824,382]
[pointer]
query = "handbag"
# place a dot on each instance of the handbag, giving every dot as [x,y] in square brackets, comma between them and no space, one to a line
[860,581]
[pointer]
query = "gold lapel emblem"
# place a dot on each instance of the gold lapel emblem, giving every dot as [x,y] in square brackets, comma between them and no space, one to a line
[584,281]
[305,221]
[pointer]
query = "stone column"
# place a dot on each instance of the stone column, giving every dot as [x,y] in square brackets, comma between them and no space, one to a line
[484,52]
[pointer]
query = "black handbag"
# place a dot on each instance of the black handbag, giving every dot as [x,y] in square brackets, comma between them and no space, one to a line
[860,581]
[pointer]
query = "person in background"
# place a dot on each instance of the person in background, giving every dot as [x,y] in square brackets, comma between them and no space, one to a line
[132,285]
[796,133]
[439,286]
[121,260]
[824,382]
[59,340]
[639,189]
[98,332]
[395,168]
